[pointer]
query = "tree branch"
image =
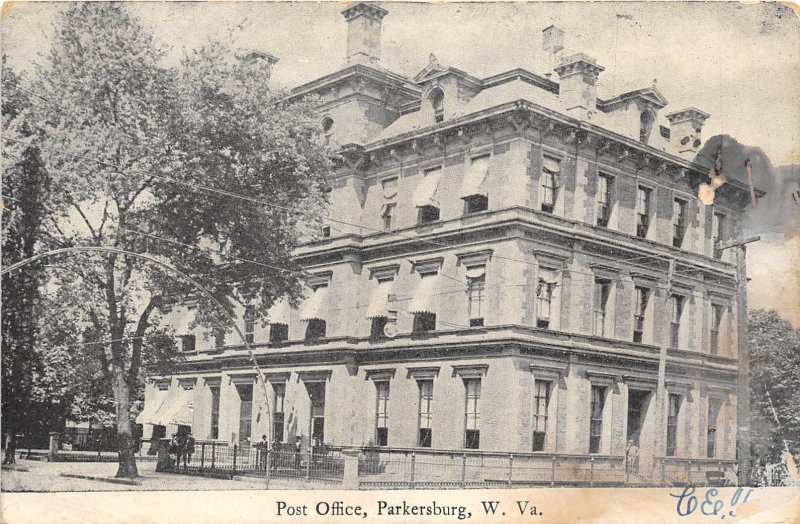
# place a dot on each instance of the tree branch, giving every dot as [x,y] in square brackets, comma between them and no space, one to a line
[85,218]
[138,341]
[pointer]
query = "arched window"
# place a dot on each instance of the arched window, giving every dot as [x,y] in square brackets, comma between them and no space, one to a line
[437,102]
[645,126]
[327,128]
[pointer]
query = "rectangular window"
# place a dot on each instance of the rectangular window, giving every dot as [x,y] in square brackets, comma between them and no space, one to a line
[427,214]
[188,343]
[596,418]
[315,329]
[717,233]
[475,297]
[219,337]
[602,290]
[676,305]
[382,413]
[278,333]
[316,394]
[279,389]
[326,232]
[472,415]
[642,296]
[388,215]
[475,204]
[711,437]
[425,413]
[424,322]
[604,186]
[214,412]
[377,327]
[716,321]
[551,170]
[672,423]
[245,412]
[678,222]
[249,324]
[642,212]
[544,297]
[541,401]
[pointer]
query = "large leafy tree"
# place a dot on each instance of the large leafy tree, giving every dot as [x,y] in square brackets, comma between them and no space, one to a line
[144,158]
[25,191]
[774,381]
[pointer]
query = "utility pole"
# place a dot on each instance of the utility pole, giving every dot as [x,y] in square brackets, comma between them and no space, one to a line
[743,385]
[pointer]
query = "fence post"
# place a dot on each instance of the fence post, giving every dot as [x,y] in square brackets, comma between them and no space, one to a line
[413,469]
[55,443]
[510,468]
[463,470]
[213,455]
[663,474]
[308,465]
[591,472]
[553,473]
[202,455]
[688,471]
[235,448]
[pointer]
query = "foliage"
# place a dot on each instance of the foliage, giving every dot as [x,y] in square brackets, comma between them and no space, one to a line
[25,189]
[775,377]
[141,156]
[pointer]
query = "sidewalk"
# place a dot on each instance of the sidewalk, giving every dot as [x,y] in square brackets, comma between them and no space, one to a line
[46,476]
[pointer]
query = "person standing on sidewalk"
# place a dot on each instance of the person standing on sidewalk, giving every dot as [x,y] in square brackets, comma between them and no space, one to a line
[187,457]
[298,448]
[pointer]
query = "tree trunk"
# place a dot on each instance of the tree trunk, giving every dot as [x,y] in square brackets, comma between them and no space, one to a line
[11,446]
[127,456]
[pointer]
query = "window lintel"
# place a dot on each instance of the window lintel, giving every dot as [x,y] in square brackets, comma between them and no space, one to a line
[380,375]
[425,373]
[471,370]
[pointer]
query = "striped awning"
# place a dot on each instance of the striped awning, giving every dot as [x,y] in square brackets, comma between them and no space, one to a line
[379,301]
[315,304]
[424,294]
[425,194]
[473,182]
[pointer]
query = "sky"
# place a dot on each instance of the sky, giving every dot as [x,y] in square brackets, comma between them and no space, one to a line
[739,62]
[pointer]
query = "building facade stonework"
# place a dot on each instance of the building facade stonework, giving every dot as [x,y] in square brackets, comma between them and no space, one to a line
[511,264]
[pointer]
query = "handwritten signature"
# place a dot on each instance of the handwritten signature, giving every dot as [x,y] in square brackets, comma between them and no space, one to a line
[711,504]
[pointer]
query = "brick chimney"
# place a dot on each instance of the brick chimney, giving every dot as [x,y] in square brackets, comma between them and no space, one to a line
[364,33]
[578,83]
[685,127]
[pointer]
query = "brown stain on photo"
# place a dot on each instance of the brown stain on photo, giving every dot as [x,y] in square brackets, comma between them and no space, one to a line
[7,6]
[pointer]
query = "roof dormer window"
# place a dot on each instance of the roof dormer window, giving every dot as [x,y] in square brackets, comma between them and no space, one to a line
[437,103]
[645,126]
[327,129]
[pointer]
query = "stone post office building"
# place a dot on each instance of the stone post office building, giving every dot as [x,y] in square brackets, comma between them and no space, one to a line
[512,264]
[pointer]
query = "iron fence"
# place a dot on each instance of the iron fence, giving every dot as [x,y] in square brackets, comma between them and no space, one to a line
[696,472]
[219,459]
[419,469]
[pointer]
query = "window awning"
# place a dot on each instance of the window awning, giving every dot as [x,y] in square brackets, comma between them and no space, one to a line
[177,409]
[423,299]
[379,301]
[425,194]
[150,408]
[473,182]
[476,271]
[279,313]
[548,275]
[313,306]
